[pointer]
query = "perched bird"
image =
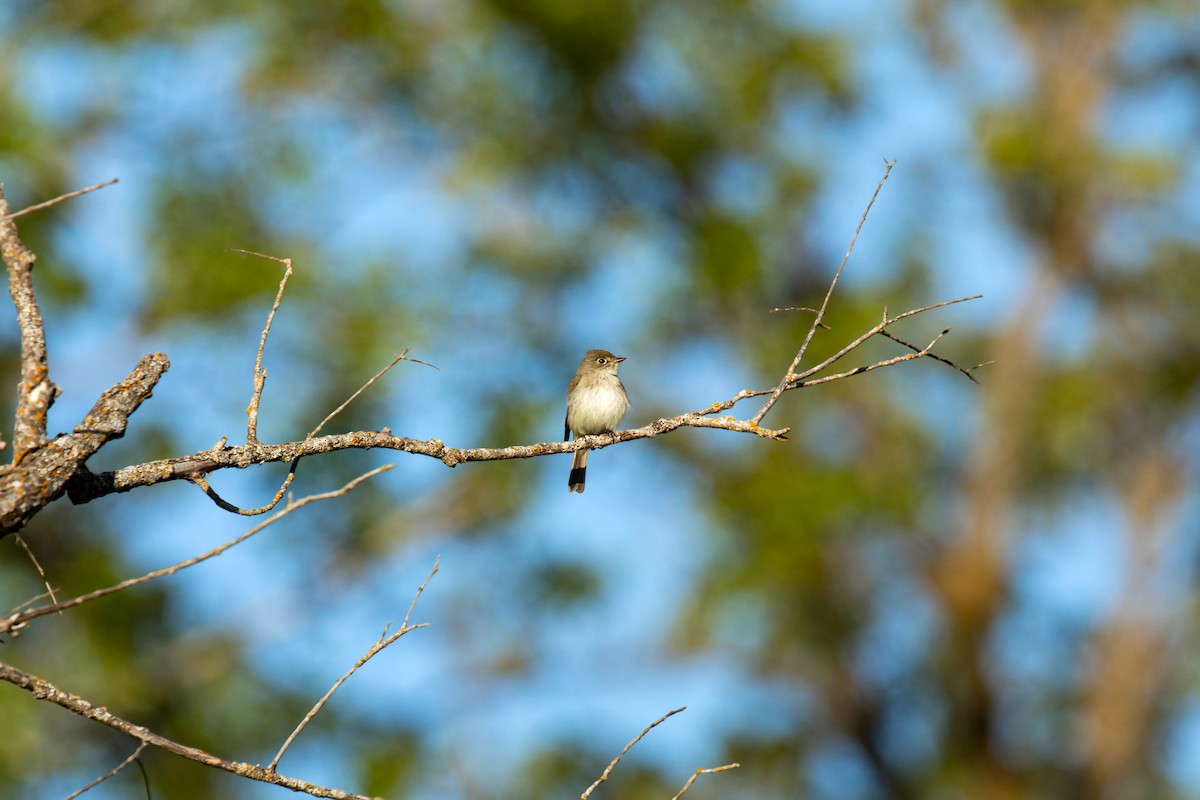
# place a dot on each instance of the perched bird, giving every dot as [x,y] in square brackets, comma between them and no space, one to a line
[596,403]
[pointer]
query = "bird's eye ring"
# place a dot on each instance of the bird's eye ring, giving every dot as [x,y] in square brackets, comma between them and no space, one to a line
[602,361]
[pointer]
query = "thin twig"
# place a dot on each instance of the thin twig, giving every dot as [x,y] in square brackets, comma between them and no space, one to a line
[145,778]
[260,374]
[37,566]
[383,642]
[57,200]
[395,360]
[28,602]
[779,389]
[964,370]
[700,772]
[44,690]
[15,622]
[608,770]
[141,746]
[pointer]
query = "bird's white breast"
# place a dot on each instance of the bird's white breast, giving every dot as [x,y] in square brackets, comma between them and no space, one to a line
[596,409]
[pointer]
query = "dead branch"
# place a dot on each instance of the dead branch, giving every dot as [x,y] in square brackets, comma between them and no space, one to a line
[42,690]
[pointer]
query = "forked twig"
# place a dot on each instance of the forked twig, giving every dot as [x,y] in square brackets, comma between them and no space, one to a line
[820,318]
[612,765]
[384,641]
[14,622]
[141,746]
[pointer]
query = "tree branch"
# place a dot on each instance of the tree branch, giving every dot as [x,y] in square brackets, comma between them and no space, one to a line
[87,486]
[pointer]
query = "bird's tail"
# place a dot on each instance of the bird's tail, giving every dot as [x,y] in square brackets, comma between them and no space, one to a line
[578,477]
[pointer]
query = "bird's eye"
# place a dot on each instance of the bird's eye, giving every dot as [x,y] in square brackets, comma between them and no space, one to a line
[602,361]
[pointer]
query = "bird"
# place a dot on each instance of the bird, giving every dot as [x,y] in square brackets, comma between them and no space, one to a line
[596,403]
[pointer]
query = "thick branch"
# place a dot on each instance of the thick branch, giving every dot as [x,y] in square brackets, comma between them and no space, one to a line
[46,691]
[35,392]
[41,477]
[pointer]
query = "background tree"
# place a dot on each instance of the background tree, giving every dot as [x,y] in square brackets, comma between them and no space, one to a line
[934,590]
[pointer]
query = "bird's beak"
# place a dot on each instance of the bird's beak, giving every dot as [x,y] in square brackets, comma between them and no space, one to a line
[619,359]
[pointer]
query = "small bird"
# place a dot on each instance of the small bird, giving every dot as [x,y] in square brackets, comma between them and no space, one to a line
[596,403]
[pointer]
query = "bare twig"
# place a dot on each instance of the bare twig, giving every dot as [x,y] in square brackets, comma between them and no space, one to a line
[14,622]
[56,200]
[141,746]
[43,690]
[700,772]
[384,641]
[395,360]
[612,765]
[37,565]
[817,322]
[260,374]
